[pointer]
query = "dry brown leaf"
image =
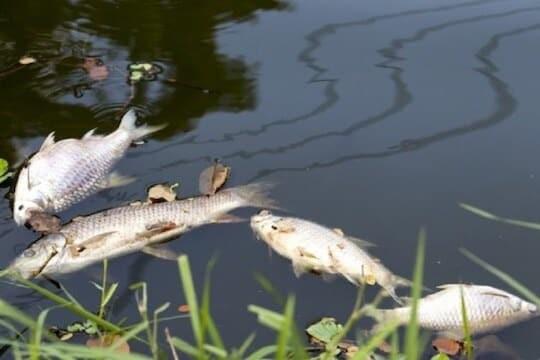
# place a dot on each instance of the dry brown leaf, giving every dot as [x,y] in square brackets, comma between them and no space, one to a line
[108,340]
[44,223]
[26,60]
[213,178]
[95,68]
[183,308]
[385,347]
[161,193]
[447,346]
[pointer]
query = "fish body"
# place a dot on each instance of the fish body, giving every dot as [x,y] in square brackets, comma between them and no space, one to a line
[315,248]
[488,309]
[118,231]
[63,173]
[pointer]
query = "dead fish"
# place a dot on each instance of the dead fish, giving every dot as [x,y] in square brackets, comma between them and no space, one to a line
[488,309]
[63,173]
[213,178]
[122,230]
[315,248]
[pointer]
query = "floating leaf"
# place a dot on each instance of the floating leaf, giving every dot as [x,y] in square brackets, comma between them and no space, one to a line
[183,308]
[162,193]
[26,60]
[213,178]
[447,346]
[324,330]
[108,340]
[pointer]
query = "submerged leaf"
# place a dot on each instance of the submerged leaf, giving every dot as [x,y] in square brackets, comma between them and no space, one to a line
[324,330]
[108,340]
[447,346]
[213,178]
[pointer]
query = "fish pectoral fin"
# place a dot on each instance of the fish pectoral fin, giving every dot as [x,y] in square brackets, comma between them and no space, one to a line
[115,179]
[361,243]
[157,228]
[298,268]
[327,277]
[305,253]
[162,232]
[338,231]
[160,252]
[49,140]
[229,218]
[90,135]
[94,241]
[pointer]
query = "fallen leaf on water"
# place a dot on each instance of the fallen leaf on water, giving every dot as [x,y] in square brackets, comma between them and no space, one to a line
[25,60]
[161,193]
[95,68]
[213,178]
[108,340]
[44,223]
[447,346]
[183,308]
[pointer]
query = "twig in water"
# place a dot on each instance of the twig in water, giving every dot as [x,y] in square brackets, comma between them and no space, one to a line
[169,340]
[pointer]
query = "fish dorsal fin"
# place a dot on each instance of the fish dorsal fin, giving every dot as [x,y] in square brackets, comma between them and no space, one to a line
[95,241]
[49,140]
[90,135]
[359,242]
[493,293]
[450,286]
[160,252]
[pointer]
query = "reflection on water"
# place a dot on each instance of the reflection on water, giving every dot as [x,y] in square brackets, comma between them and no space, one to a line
[63,36]
[383,103]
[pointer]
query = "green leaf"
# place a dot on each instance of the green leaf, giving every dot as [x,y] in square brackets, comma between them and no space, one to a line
[3,166]
[325,329]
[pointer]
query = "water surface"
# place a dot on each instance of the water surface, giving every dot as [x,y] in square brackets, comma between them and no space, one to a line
[374,117]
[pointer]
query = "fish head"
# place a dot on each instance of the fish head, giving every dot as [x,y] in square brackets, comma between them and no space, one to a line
[27,200]
[522,307]
[263,224]
[33,261]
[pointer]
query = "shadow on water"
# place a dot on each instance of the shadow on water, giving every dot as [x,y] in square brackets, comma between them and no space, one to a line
[178,36]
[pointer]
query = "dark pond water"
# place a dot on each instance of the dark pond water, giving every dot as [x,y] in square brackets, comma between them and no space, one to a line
[375,117]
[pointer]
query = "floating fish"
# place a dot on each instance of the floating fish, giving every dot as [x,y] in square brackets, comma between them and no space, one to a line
[488,309]
[118,231]
[315,248]
[63,173]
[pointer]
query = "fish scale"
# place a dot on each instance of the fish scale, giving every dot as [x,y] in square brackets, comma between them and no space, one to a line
[63,173]
[118,231]
[487,308]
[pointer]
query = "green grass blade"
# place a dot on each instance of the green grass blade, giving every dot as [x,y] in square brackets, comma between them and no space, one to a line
[239,354]
[37,334]
[191,299]
[490,216]
[263,353]
[374,341]
[466,328]
[76,309]
[214,350]
[269,318]
[412,349]
[503,276]
[207,322]
[285,330]
[185,347]
[15,314]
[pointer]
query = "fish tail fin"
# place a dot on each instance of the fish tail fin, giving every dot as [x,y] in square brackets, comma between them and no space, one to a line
[137,132]
[382,317]
[256,195]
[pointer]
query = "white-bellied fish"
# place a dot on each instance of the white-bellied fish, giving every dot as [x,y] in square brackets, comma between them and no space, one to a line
[488,309]
[315,248]
[63,173]
[118,231]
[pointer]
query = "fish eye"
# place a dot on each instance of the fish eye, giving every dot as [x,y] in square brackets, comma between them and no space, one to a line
[274,227]
[21,207]
[532,308]
[515,303]
[29,253]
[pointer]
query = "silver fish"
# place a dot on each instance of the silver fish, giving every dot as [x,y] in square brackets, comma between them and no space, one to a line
[488,309]
[315,248]
[118,231]
[63,173]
